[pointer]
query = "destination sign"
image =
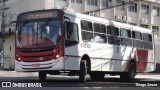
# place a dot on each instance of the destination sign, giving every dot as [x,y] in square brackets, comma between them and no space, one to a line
[39,15]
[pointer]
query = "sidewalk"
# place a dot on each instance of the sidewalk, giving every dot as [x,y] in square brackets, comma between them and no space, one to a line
[16,74]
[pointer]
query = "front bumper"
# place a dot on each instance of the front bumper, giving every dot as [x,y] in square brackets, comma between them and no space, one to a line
[57,64]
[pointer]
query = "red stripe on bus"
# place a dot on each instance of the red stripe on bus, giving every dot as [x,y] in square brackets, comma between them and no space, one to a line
[141,63]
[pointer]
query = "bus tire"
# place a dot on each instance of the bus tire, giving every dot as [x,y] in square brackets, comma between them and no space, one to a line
[83,71]
[130,75]
[97,76]
[42,75]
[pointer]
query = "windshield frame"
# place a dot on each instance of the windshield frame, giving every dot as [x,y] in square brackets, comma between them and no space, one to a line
[47,20]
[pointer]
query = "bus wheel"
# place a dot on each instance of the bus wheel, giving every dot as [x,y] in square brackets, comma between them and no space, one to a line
[97,76]
[130,75]
[83,71]
[42,75]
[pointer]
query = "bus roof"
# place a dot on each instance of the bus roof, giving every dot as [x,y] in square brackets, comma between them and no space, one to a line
[109,22]
[97,19]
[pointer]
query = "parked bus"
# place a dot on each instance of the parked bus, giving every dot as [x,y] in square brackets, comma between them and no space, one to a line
[55,41]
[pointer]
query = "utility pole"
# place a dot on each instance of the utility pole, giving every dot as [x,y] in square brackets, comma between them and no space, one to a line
[3,11]
[3,26]
[75,1]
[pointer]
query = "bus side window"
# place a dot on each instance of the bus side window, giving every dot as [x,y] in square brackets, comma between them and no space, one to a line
[87,31]
[99,28]
[126,37]
[137,39]
[71,33]
[86,25]
[100,33]
[113,35]
[150,37]
[147,41]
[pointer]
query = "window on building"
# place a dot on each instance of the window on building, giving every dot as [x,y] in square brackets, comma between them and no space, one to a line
[133,7]
[106,3]
[144,25]
[155,11]
[134,24]
[144,9]
[122,3]
[92,2]
[156,30]
[77,1]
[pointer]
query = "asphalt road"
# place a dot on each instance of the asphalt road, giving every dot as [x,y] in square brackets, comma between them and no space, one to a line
[142,81]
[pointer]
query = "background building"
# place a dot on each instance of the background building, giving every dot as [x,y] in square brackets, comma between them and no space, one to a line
[144,13]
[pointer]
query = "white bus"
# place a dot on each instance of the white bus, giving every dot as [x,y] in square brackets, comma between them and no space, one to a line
[52,41]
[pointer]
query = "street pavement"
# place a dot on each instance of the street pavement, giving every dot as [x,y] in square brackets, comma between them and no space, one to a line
[60,82]
[147,76]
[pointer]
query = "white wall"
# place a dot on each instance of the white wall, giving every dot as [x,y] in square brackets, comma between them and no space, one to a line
[90,8]
[108,13]
[79,7]
[9,51]
[59,3]
[133,16]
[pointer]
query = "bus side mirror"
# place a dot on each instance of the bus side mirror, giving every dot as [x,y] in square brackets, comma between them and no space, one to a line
[10,30]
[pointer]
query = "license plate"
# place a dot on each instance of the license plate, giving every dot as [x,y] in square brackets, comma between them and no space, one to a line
[35,65]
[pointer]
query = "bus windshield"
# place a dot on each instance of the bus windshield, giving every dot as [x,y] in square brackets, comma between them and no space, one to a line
[38,34]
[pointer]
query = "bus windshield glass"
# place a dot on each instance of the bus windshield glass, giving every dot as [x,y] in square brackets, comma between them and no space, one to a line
[38,34]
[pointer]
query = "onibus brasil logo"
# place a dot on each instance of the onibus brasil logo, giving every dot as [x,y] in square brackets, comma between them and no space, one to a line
[15,84]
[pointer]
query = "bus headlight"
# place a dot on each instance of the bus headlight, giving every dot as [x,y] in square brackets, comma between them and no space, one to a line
[57,56]
[19,58]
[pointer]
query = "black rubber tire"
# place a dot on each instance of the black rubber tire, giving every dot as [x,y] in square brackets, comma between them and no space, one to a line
[130,75]
[42,75]
[97,76]
[83,71]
